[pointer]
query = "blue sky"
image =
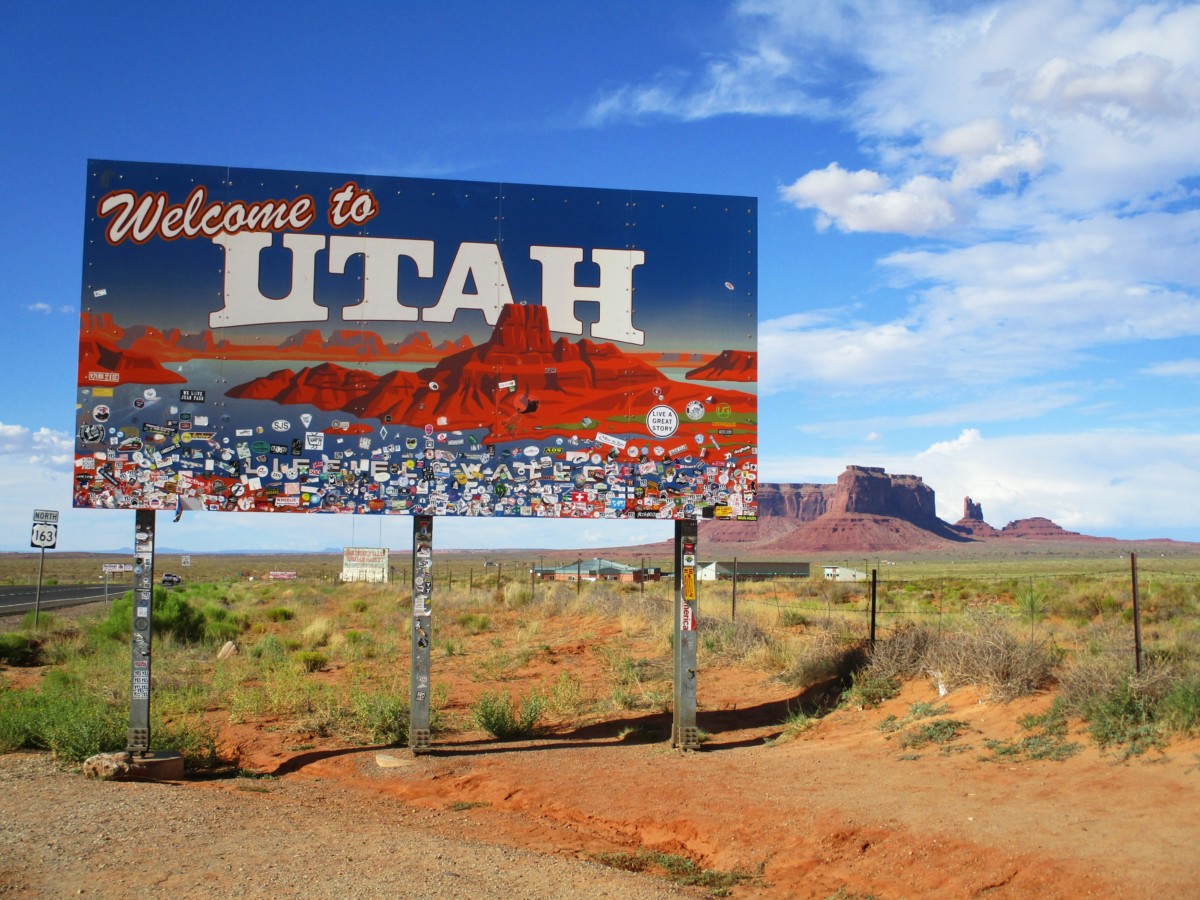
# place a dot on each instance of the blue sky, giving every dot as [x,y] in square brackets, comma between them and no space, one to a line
[978,222]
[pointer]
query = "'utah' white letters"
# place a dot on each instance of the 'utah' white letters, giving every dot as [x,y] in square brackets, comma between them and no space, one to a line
[480,263]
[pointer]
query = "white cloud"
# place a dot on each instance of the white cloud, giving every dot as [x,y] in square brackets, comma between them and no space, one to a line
[1000,309]
[39,308]
[970,437]
[1186,368]
[1045,143]
[863,201]
[756,81]
[1099,482]
[23,446]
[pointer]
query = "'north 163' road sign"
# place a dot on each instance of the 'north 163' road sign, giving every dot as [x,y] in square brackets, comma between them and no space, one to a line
[45,529]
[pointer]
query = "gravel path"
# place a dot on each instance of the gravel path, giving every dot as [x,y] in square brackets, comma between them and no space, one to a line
[63,835]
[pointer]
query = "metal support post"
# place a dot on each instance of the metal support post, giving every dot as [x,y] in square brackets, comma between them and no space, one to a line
[37,598]
[1137,616]
[684,733]
[143,619]
[422,589]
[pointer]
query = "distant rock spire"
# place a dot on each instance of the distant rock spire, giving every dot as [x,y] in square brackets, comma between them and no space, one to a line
[972,511]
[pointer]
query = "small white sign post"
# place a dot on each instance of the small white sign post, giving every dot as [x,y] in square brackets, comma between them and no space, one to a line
[45,534]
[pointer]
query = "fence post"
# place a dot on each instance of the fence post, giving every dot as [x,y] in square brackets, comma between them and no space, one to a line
[874,588]
[1137,618]
[733,603]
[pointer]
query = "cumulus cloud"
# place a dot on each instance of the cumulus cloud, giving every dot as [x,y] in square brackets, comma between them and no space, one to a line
[1047,145]
[864,201]
[39,447]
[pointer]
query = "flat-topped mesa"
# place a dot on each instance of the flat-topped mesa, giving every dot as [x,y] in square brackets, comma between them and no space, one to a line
[794,501]
[522,329]
[869,490]
[1038,527]
[863,490]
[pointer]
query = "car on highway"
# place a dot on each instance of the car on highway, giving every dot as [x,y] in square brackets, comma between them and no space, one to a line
[171,579]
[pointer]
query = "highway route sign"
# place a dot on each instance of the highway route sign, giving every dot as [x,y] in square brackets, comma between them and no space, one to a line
[44,536]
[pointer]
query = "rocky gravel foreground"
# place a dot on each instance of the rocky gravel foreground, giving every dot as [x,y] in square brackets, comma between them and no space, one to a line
[63,835]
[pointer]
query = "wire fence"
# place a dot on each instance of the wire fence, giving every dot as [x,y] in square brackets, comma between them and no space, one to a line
[1145,614]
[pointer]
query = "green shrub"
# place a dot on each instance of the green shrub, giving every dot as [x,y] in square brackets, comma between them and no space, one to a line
[382,717]
[222,631]
[678,869]
[869,688]
[1047,738]
[1179,709]
[311,660]
[220,625]
[269,650]
[474,623]
[192,737]
[1127,710]
[792,618]
[47,622]
[172,613]
[280,614]
[494,713]
[18,650]
[72,725]
[939,731]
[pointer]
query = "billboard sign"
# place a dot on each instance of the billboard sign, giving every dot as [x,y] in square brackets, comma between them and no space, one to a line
[297,342]
[365,564]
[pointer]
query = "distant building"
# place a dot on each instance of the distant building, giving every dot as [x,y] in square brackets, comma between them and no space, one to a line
[750,571]
[842,573]
[597,569]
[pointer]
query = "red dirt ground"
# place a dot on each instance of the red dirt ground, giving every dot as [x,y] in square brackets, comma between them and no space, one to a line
[841,808]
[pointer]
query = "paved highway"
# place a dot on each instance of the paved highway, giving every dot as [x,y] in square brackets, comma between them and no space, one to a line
[19,598]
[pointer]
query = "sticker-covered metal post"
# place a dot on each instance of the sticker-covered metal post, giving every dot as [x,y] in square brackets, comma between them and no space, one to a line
[143,617]
[684,733]
[422,588]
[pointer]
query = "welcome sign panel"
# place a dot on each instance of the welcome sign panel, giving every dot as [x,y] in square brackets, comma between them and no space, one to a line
[300,342]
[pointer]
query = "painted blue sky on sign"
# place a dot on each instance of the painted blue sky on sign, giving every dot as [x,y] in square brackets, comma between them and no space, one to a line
[978,224]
